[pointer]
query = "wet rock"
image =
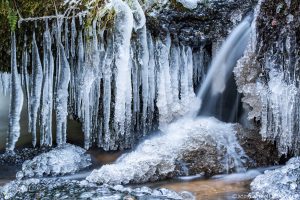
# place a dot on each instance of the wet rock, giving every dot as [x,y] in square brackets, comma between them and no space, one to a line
[66,189]
[262,153]
[63,160]
[186,147]
[279,184]
[209,21]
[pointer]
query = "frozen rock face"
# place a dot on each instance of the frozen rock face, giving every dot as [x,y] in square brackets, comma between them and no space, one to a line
[61,189]
[196,22]
[166,154]
[67,159]
[268,74]
[279,184]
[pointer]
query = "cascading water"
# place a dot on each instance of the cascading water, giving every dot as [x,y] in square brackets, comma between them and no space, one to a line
[221,69]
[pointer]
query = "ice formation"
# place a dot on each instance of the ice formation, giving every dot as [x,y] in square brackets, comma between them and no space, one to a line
[59,161]
[116,85]
[5,82]
[16,101]
[271,88]
[282,183]
[180,137]
[47,94]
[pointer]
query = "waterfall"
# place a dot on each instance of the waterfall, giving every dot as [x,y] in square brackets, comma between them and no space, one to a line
[221,69]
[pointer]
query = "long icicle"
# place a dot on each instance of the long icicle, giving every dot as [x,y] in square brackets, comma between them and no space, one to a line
[16,99]
[61,105]
[37,79]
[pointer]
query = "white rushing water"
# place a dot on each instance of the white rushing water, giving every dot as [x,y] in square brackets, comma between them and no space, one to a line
[223,64]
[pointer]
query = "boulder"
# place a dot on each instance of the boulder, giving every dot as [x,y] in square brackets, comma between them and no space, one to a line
[185,147]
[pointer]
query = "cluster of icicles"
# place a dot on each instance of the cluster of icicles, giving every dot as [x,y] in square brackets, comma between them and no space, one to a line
[113,83]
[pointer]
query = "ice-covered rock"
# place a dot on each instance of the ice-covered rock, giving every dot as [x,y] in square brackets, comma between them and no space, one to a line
[212,142]
[62,189]
[279,184]
[59,161]
[267,75]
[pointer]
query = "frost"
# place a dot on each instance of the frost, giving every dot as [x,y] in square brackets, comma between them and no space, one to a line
[282,183]
[63,160]
[180,137]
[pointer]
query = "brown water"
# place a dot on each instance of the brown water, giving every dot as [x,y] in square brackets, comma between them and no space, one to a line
[210,189]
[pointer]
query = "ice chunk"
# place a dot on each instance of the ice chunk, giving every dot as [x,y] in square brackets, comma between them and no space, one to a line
[67,159]
[282,183]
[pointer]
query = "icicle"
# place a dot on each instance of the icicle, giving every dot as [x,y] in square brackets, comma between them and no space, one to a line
[152,78]
[47,95]
[123,29]
[143,60]
[128,113]
[25,76]
[73,37]
[61,106]
[107,73]
[164,99]
[174,71]
[190,66]
[67,51]
[5,80]
[79,72]
[135,88]
[138,15]
[16,99]
[37,79]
